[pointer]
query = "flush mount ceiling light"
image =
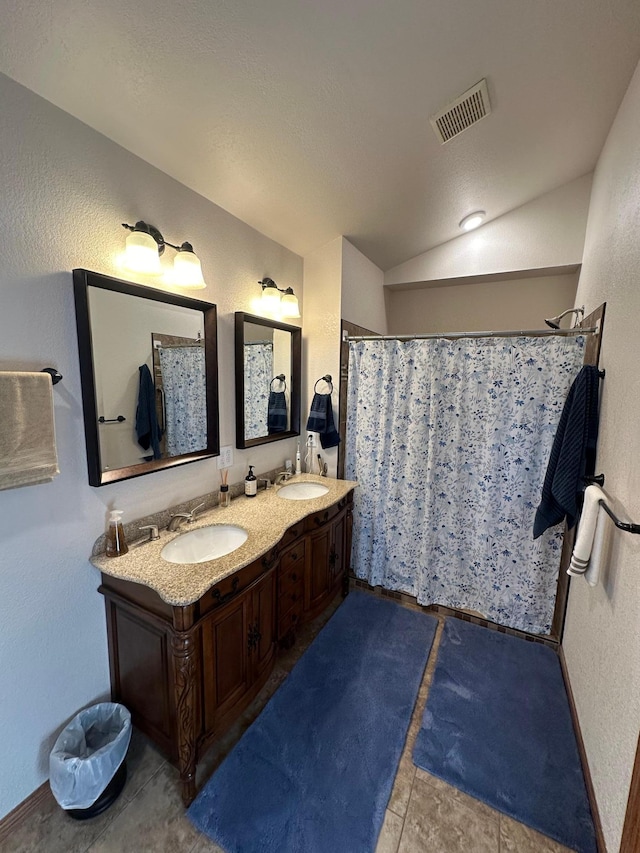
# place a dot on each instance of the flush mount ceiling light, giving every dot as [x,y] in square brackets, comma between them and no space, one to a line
[272,303]
[472,220]
[145,245]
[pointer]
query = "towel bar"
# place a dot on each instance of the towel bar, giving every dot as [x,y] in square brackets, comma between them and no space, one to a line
[53,373]
[627,526]
[118,420]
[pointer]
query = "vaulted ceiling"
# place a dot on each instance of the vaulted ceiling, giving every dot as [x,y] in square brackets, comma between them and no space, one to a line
[310,118]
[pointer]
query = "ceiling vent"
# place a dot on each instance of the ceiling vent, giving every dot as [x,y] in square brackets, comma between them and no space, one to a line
[460,114]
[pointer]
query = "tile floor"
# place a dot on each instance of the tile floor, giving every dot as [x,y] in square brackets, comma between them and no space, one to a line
[424,815]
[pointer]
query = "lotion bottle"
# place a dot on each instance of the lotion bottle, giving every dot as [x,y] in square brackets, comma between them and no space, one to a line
[116,544]
[250,484]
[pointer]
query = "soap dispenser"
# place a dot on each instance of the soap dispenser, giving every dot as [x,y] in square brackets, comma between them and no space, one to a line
[116,544]
[250,484]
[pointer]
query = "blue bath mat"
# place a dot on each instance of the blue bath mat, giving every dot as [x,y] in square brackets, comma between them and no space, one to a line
[314,772]
[497,726]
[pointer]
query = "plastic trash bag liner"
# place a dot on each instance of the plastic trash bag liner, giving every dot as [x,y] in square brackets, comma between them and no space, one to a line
[87,754]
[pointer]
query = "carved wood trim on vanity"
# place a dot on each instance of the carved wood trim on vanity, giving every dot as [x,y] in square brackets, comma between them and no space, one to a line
[186,673]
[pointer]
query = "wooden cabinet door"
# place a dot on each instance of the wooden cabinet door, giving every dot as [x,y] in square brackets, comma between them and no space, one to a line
[225,661]
[262,627]
[317,575]
[337,554]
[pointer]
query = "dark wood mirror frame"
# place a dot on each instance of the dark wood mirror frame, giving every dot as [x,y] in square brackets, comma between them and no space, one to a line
[82,280]
[296,378]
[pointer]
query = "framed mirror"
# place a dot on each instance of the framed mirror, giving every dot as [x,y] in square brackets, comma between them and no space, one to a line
[268,375]
[149,375]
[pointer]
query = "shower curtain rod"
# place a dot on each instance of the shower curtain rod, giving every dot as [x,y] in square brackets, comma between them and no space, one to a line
[511,333]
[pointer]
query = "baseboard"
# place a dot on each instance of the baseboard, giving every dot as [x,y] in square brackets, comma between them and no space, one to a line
[22,811]
[602,847]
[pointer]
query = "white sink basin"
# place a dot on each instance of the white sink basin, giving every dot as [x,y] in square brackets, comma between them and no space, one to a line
[302,491]
[205,543]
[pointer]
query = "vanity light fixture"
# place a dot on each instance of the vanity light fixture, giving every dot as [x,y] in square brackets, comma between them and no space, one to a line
[473,220]
[271,301]
[144,246]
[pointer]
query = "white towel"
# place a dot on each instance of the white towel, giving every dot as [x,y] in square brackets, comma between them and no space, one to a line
[588,547]
[28,453]
[599,550]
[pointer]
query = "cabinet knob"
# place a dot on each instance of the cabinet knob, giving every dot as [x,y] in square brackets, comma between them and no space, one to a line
[294,556]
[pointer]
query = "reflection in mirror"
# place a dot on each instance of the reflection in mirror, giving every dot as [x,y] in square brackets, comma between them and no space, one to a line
[149,377]
[267,380]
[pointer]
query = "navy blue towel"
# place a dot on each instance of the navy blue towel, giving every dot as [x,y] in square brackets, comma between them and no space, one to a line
[573,454]
[321,421]
[277,412]
[147,428]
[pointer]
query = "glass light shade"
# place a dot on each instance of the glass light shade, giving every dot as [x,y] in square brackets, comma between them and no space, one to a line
[270,300]
[187,270]
[289,307]
[141,254]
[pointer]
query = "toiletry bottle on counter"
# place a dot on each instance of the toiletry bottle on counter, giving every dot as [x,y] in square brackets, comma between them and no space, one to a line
[116,544]
[250,484]
[225,498]
[298,466]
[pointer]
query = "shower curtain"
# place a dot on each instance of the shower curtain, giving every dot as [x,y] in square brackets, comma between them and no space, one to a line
[258,373]
[183,378]
[449,442]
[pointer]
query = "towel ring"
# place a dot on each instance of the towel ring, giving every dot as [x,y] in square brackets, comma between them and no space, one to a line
[327,379]
[281,378]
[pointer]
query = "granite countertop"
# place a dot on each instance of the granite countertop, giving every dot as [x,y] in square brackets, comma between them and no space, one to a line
[265,517]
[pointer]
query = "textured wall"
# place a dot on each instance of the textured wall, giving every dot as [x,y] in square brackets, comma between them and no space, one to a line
[321,332]
[602,637]
[511,304]
[65,191]
[544,233]
[362,290]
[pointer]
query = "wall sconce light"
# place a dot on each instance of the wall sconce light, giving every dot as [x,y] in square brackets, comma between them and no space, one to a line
[144,246]
[271,302]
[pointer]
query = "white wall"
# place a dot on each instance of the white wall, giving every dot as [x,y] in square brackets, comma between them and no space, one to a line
[362,290]
[65,191]
[602,636]
[547,232]
[517,303]
[321,333]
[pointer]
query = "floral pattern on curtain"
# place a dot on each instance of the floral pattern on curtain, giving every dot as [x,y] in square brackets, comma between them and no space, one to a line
[184,384]
[449,441]
[258,373]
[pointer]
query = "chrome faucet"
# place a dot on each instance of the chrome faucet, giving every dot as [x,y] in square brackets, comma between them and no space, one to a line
[282,476]
[179,517]
[266,481]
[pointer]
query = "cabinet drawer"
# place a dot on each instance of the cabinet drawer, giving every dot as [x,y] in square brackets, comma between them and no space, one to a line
[291,558]
[230,586]
[290,596]
[319,519]
[290,620]
[291,578]
[292,534]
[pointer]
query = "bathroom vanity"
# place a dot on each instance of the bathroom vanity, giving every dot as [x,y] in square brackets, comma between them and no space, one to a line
[191,645]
